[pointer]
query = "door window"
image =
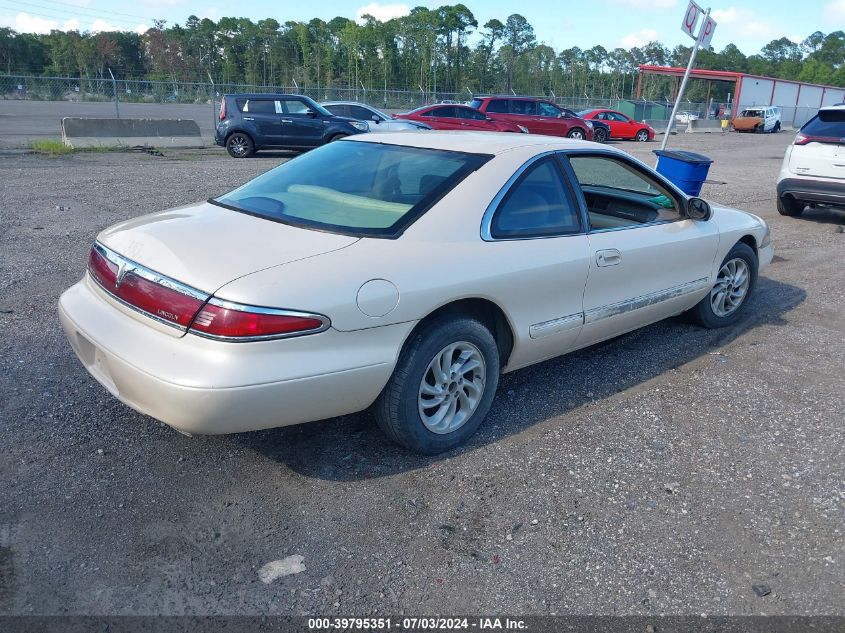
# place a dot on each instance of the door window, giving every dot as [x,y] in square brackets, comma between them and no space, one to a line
[294,106]
[528,108]
[361,113]
[538,205]
[615,116]
[547,109]
[447,112]
[620,195]
[467,113]
[498,106]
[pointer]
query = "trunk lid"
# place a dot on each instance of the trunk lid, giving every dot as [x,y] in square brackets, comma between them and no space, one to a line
[826,160]
[207,246]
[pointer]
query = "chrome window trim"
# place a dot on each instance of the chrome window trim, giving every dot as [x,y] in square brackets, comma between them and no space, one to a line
[490,211]
[628,305]
[132,267]
[325,322]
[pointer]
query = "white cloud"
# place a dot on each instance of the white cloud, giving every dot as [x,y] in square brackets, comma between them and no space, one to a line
[26,23]
[382,12]
[103,25]
[640,38]
[742,23]
[835,10]
[648,4]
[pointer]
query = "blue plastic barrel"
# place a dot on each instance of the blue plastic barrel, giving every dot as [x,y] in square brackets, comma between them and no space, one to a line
[687,170]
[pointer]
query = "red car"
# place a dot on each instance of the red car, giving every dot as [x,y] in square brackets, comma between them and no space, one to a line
[621,125]
[458,117]
[538,115]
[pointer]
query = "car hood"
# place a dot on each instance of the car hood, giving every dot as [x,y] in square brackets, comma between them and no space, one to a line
[207,246]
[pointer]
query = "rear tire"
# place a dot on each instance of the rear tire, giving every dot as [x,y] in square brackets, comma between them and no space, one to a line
[577,133]
[600,135]
[787,205]
[240,145]
[429,410]
[728,297]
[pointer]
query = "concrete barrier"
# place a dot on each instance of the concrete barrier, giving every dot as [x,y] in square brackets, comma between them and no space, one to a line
[85,132]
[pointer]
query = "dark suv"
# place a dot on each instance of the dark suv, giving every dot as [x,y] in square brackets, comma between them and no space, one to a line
[538,115]
[250,122]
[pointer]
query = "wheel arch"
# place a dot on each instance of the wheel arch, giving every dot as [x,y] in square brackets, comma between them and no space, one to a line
[750,241]
[489,313]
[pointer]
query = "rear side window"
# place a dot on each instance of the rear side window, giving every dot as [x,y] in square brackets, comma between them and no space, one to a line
[447,112]
[499,106]
[257,106]
[355,188]
[338,110]
[827,123]
[538,205]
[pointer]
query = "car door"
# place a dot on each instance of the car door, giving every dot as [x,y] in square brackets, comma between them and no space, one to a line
[647,262]
[446,118]
[473,120]
[621,125]
[261,116]
[550,120]
[537,225]
[498,110]
[301,129]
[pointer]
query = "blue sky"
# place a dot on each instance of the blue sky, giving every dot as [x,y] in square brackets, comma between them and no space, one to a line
[611,23]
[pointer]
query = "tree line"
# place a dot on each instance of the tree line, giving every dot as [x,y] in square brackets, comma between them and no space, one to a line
[442,50]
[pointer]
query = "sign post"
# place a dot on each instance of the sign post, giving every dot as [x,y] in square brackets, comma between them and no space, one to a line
[705,34]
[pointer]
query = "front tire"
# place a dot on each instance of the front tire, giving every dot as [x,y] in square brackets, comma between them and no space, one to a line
[576,133]
[787,205]
[642,136]
[726,301]
[240,145]
[442,386]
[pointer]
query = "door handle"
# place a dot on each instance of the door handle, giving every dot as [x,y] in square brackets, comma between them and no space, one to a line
[287,120]
[248,118]
[609,257]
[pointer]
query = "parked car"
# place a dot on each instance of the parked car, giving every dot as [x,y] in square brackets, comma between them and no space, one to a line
[685,116]
[505,250]
[621,125]
[458,117]
[762,119]
[378,121]
[252,122]
[538,116]
[813,169]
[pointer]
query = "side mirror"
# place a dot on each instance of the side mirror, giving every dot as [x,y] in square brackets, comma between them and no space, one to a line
[698,209]
[310,112]
[376,118]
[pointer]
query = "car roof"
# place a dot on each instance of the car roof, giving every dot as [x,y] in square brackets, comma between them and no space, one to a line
[264,95]
[478,142]
[355,103]
[836,107]
[514,97]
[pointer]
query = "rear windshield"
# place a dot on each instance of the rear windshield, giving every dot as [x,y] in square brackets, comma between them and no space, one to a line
[354,187]
[827,123]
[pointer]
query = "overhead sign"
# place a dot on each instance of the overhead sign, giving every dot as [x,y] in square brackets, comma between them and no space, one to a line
[707,31]
[691,19]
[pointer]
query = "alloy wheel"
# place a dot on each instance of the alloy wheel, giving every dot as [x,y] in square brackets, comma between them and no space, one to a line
[451,387]
[731,287]
[239,144]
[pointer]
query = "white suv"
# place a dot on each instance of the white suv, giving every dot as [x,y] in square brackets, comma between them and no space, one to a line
[813,169]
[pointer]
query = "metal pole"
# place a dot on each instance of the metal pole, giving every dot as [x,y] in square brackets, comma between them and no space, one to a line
[114,88]
[684,81]
[213,104]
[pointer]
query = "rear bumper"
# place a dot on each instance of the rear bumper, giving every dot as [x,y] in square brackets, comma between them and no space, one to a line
[815,190]
[202,386]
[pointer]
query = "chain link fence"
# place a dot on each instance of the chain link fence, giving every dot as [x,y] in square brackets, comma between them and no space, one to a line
[139,91]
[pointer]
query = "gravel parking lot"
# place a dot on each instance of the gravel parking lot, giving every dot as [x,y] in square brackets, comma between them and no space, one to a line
[670,470]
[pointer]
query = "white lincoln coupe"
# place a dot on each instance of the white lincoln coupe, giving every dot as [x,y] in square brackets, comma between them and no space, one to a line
[403,272]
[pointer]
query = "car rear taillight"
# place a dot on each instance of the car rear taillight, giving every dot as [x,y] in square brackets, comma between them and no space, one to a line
[223,109]
[142,289]
[803,139]
[234,321]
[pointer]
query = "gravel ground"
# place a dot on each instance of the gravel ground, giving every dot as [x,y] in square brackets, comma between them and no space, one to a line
[667,471]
